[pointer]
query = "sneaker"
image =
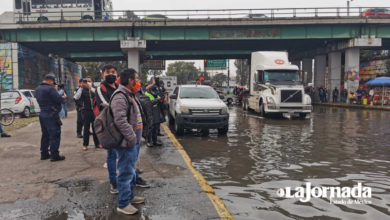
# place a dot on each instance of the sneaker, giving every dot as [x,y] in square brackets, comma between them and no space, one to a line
[140,171]
[128,210]
[138,200]
[79,136]
[45,157]
[148,144]
[5,135]
[157,144]
[141,183]
[113,188]
[161,135]
[57,158]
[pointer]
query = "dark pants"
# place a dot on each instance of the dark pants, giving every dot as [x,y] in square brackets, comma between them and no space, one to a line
[89,118]
[79,122]
[111,165]
[1,129]
[334,98]
[127,160]
[51,136]
[152,138]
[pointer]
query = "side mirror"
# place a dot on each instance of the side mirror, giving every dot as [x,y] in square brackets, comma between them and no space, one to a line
[173,96]
[222,97]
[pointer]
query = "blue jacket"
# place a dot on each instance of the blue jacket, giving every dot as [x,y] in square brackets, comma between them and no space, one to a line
[48,99]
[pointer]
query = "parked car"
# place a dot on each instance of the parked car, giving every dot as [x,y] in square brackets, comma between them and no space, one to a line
[156,17]
[257,16]
[21,101]
[376,12]
[197,106]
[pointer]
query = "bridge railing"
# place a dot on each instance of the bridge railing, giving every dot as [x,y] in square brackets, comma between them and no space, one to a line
[159,15]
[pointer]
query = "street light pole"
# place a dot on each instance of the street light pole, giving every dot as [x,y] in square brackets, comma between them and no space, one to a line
[348,4]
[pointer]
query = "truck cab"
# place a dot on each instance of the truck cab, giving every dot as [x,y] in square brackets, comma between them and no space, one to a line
[276,86]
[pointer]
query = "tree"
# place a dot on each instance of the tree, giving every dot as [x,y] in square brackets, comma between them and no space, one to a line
[242,73]
[184,71]
[219,79]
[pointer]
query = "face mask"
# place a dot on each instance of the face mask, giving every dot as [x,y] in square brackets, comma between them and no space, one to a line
[90,85]
[110,79]
[136,87]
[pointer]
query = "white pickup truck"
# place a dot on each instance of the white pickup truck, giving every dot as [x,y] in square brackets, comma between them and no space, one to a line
[276,86]
[197,106]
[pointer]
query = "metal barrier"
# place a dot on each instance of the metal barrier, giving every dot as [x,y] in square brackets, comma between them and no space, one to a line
[225,14]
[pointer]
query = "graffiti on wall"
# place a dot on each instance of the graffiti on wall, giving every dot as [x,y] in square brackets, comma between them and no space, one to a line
[351,75]
[6,66]
[375,68]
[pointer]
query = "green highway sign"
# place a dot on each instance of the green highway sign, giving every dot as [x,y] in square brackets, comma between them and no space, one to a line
[215,64]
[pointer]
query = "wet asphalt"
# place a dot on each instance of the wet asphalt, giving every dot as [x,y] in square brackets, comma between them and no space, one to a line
[78,187]
[335,147]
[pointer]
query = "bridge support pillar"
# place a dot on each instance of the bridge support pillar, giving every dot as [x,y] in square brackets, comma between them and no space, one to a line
[334,78]
[319,73]
[307,68]
[134,47]
[352,62]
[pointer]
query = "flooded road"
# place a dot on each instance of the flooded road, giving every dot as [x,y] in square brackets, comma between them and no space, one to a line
[335,147]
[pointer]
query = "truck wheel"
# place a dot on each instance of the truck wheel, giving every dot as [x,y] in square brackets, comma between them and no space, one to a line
[205,132]
[171,119]
[302,115]
[223,131]
[230,101]
[179,129]
[262,110]
[26,112]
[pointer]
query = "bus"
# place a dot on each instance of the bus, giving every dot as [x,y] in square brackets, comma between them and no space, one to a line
[58,10]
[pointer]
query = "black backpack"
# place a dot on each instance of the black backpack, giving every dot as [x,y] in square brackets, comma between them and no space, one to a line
[105,128]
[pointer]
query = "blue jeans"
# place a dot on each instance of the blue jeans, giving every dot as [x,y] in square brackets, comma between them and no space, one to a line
[111,165]
[127,174]
[1,129]
[51,136]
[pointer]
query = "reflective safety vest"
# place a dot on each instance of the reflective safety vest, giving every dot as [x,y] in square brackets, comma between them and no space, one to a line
[151,97]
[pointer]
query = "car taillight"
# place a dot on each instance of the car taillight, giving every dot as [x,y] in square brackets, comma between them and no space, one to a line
[18,99]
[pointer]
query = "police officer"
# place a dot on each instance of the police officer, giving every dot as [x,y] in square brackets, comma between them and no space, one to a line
[50,103]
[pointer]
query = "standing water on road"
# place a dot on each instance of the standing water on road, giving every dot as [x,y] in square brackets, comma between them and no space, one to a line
[334,148]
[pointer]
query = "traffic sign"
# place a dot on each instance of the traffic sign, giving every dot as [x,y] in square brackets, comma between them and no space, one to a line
[215,64]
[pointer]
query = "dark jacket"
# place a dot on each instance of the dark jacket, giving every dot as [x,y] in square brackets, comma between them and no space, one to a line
[48,99]
[147,107]
[86,99]
[122,107]
[107,92]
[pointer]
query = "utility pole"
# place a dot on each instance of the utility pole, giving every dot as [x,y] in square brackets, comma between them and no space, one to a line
[228,74]
[348,5]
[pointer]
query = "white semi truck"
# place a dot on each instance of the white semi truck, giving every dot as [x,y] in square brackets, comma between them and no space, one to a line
[276,86]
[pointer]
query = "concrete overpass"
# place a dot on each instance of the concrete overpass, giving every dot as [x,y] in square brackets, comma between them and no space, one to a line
[304,38]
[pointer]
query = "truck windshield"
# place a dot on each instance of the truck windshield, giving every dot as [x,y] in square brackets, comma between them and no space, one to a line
[282,75]
[198,93]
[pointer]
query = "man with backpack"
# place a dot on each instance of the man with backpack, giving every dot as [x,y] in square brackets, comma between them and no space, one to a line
[127,117]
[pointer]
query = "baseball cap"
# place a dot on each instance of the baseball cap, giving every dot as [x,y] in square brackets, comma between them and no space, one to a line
[51,77]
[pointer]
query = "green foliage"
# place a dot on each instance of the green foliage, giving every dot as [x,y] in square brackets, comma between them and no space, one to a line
[94,69]
[242,73]
[184,71]
[219,79]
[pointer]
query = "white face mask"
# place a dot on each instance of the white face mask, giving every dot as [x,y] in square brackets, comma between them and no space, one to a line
[90,84]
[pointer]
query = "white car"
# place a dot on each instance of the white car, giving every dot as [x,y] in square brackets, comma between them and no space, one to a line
[21,101]
[197,106]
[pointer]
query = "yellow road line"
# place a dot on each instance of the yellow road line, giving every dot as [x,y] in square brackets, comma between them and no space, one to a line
[217,202]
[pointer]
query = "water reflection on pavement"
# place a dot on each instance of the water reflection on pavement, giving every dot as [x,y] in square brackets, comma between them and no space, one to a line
[335,147]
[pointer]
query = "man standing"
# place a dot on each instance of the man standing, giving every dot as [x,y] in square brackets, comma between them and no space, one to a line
[79,116]
[335,94]
[50,103]
[128,119]
[86,96]
[103,95]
